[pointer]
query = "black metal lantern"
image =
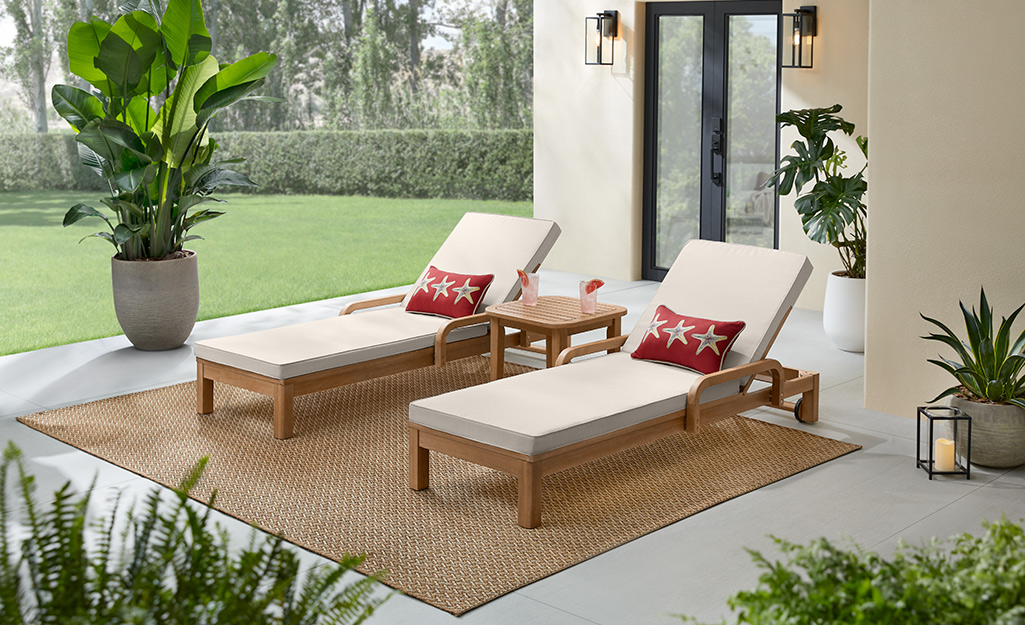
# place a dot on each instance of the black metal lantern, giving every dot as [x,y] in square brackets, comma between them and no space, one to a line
[600,34]
[798,35]
[945,456]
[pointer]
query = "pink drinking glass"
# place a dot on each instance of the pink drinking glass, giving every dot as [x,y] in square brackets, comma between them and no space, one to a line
[530,291]
[588,301]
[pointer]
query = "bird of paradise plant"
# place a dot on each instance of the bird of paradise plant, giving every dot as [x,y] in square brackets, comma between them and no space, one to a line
[144,124]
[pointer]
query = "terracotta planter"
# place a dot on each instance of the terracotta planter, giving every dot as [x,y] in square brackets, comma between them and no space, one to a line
[998,433]
[156,301]
[843,312]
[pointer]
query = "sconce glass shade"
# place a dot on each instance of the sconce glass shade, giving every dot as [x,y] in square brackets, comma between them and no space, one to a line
[600,34]
[798,35]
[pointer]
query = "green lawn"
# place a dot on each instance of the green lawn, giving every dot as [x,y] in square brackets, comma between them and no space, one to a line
[267,251]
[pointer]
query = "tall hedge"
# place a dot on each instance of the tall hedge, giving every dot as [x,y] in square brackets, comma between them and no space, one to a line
[487,165]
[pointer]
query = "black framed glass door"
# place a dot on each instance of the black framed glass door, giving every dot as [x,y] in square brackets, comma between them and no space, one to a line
[711,96]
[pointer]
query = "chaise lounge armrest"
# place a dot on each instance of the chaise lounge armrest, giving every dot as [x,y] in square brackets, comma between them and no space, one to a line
[774,391]
[604,345]
[372,303]
[441,339]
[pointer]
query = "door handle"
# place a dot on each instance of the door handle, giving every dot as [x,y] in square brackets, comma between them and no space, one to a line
[717,148]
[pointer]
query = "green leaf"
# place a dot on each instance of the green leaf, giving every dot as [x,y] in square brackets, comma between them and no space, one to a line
[185,32]
[76,106]
[150,6]
[248,70]
[93,137]
[124,232]
[83,47]
[141,31]
[187,202]
[140,116]
[813,124]
[199,217]
[219,177]
[176,121]
[90,159]
[132,179]
[120,63]
[81,211]
[106,236]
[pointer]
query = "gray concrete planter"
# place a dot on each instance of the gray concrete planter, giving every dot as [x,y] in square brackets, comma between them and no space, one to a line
[998,433]
[156,301]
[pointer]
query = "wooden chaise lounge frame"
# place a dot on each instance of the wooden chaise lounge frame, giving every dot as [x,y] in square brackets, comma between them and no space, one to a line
[783,382]
[284,391]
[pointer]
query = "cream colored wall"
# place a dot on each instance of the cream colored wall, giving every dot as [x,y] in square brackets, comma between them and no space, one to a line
[588,139]
[589,131]
[839,76]
[946,95]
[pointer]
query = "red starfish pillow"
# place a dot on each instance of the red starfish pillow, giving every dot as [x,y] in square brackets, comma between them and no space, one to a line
[449,294]
[697,344]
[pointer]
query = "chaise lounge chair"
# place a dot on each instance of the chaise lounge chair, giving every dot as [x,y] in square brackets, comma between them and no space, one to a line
[546,421]
[309,357]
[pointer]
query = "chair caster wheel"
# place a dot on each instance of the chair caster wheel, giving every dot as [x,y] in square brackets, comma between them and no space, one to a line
[797,409]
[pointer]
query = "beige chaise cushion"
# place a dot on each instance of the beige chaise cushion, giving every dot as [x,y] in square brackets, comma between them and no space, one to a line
[480,243]
[544,410]
[498,244]
[731,282]
[302,348]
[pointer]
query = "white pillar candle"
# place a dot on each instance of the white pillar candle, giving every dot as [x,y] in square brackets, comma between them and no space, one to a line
[944,454]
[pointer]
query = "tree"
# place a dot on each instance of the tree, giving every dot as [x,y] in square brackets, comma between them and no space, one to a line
[495,54]
[40,26]
[289,28]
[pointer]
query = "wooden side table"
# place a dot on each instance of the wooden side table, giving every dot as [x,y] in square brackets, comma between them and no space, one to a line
[555,318]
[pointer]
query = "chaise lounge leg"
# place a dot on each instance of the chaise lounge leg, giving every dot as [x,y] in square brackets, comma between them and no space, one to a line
[529,504]
[419,462]
[283,411]
[810,401]
[204,391]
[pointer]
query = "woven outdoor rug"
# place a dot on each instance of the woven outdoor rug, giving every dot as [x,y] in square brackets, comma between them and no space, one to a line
[341,484]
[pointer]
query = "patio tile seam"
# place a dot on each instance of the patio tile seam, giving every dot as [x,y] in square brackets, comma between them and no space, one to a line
[898,533]
[554,607]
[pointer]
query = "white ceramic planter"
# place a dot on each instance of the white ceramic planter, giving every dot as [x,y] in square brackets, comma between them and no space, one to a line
[843,312]
[156,301]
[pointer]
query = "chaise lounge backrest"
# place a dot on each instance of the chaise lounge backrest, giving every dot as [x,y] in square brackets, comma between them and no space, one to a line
[729,282]
[484,243]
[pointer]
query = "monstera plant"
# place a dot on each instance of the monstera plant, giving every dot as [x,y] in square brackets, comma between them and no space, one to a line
[832,212]
[143,127]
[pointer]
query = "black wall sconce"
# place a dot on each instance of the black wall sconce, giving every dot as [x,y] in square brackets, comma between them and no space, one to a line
[599,38]
[799,30]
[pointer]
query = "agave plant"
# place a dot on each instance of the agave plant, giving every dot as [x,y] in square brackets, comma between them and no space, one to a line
[143,125]
[991,367]
[832,212]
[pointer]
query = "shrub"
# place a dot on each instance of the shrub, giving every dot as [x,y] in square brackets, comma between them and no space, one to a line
[965,580]
[482,165]
[168,567]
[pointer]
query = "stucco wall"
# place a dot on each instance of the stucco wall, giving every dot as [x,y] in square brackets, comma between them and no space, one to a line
[946,97]
[588,138]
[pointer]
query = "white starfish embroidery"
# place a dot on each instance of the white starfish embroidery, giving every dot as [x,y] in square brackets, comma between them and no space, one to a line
[465,291]
[709,339]
[653,328]
[423,284]
[678,333]
[441,288]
